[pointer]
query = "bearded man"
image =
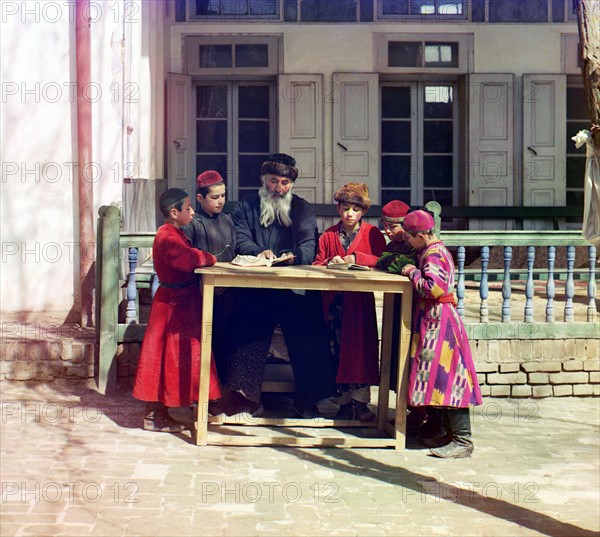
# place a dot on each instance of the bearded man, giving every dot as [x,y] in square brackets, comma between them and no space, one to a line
[271,224]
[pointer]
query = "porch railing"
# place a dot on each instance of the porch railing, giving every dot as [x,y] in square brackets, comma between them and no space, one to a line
[512,326]
[117,249]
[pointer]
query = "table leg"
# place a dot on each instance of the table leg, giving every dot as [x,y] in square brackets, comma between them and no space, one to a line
[207,288]
[387,333]
[403,352]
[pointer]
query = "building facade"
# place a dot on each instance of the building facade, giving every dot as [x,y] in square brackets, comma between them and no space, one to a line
[462,102]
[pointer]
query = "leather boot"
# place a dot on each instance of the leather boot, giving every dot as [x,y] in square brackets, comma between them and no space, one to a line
[345,412]
[362,412]
[435,431]
[158,420]
[459,427]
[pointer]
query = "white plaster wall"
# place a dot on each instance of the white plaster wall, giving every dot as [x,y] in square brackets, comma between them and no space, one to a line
[39,220]
[38,228]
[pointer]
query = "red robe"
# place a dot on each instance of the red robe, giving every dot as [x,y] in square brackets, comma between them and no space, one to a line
[169,367]
[359,352]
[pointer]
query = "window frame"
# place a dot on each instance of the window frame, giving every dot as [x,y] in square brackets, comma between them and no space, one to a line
[465,52]
[417,119]
[233,121]
[573,82]
[193,42]
[192,17]
[434,17]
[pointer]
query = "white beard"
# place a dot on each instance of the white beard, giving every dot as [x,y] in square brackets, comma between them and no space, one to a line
[272,208]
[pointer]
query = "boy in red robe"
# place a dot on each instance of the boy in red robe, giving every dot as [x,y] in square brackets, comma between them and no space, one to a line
[168,373]
[351,315]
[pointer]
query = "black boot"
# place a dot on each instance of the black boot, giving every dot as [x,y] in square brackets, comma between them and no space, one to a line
[158,420]
[435,431]
[345,412]
[362,412]
[459,426]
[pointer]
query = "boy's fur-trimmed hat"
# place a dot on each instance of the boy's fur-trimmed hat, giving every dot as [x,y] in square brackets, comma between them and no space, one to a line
[355,193]
[209,178]
[171,197]
[281,165]
[394,212]
[418,221]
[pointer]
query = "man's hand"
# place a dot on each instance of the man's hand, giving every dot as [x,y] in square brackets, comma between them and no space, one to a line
[350,259]
[337,260]
[267,254]
[287,258]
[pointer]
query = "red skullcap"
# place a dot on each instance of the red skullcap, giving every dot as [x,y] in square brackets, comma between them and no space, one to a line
[394,212]
[208,178]
[418,221]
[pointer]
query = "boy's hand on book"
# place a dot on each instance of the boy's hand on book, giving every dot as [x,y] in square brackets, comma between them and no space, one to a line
[337,260]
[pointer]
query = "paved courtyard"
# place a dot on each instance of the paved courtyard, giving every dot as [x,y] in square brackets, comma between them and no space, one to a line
[74,462]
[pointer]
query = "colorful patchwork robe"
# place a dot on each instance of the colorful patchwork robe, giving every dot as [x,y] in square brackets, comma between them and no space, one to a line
[442,372]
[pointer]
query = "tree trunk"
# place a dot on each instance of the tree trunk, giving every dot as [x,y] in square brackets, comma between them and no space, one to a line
[588,19]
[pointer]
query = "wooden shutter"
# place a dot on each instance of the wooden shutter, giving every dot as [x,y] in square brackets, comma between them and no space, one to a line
[180,121]
[544,135]
[491,144]
[301,131]
[356,131]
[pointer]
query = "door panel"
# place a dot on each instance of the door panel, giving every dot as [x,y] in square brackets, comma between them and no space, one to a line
[544,132]
[356,131]
[491,139]
[301,131]
[180,155]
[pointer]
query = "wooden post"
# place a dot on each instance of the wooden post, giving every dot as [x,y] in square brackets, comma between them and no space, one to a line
[109,299]
[588,21]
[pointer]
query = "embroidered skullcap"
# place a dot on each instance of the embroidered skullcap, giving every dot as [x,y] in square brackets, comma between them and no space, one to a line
[418,221]
[281,165]
[208,178]
[171,197]
[394,212]
[355,193]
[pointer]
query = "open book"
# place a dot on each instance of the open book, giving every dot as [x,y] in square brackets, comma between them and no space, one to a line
[347,266]
[255,261]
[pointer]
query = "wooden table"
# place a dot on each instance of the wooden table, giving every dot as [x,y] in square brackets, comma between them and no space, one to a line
[309,278]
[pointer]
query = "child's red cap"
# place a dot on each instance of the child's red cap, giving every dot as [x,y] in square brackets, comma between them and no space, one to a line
[394,212]
[208,178]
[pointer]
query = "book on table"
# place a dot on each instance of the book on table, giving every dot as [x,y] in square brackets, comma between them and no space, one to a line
[255,261]
[347,266]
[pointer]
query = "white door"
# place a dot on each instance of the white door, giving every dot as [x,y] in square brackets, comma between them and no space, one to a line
[490,163]
[301,131]
[356,131]
[180,154]
[544,151]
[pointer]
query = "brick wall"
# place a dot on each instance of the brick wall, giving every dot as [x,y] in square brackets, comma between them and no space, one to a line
[48,353]
[538,368]
[506,368]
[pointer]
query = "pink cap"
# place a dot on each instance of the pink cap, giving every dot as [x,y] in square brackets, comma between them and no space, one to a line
[418,221]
